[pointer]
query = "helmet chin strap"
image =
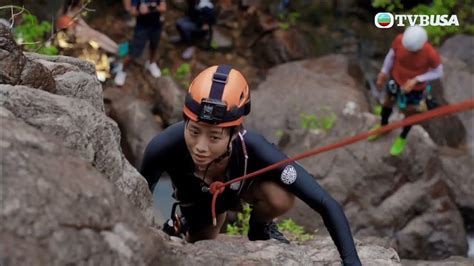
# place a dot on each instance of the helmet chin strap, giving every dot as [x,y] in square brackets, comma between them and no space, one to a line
[220,158]
[228,150]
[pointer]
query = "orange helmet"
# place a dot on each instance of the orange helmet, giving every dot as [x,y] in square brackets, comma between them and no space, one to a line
[219,95]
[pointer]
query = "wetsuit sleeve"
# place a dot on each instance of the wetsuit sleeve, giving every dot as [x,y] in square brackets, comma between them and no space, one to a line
[305,187]
[158,153]
[431,74]
[388,62]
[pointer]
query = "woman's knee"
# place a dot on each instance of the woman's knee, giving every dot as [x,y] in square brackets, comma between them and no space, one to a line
[278,198]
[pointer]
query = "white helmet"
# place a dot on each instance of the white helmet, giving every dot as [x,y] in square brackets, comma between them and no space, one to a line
[414,38]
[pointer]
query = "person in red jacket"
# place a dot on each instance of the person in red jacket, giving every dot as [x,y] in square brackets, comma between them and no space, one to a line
[408,67]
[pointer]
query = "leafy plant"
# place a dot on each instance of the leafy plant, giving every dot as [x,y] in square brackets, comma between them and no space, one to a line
[378,109]
[241,226]
[439,7]
[309,121]
[183,74]
[388,5]
[296,232]
[183,71]
[165,71]
[32,34]
[214,45]
[279,133]
[289,20]
[325,121]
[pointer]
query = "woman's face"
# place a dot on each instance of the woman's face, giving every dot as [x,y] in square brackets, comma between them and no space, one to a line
[205,142]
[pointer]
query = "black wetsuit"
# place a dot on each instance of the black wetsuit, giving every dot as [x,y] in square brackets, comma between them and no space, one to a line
[167,152]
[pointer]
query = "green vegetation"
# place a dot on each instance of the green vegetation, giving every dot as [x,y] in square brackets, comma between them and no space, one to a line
[294,231]
[165,71]
[279,133]
[182,74]
[288,20]
[325,121]
[378,109]
[32,35]
[461,8]
[388,5]
[214,45]
[183,71]
[241,226]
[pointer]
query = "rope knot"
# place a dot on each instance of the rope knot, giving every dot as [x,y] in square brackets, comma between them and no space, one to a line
[216,187]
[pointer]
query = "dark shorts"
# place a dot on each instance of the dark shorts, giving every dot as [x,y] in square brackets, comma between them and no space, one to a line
[141,35]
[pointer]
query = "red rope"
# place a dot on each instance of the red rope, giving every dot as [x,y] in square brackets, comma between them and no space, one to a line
[217,187]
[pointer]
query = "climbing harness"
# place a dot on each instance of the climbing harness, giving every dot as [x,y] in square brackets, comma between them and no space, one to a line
[176,225]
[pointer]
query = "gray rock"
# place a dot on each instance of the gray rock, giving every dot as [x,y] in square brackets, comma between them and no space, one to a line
[64,63]
[136,122]
[220,40]
[281,46]
[451,261]
[238,251]
[317,86]
[89,134]
[168,99]
[56,209]
[458,86]
[460,46]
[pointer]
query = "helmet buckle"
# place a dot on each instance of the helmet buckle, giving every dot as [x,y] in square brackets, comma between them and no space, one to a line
[220,78]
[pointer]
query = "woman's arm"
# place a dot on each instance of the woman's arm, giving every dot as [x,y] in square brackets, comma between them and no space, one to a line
[431,74]
[388,62]
[158,154]
[298,181]
[307,189]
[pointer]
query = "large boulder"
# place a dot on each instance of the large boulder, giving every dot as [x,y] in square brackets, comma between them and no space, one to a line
[455,86]
[168,99]
[238,251]
[407,199]
[320,86]
[74,78]
[451,261]
[89,134]
[460,46]
[281,46]
[75,113]
[58,210]
[272,42]
[458,86]
[459,177]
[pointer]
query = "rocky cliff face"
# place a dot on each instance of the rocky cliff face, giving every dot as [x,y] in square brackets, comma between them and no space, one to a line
[415,199]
